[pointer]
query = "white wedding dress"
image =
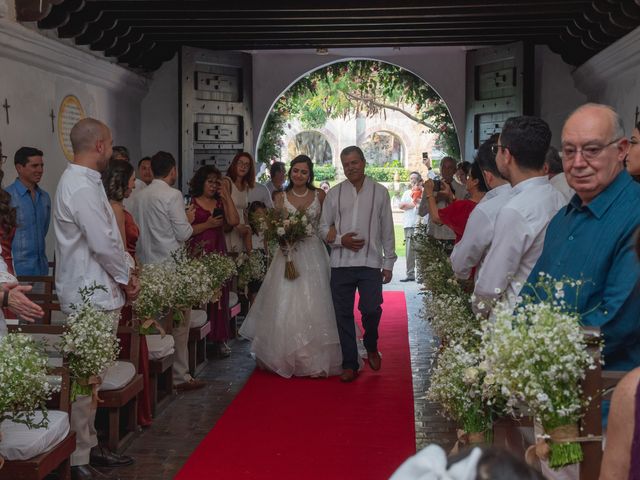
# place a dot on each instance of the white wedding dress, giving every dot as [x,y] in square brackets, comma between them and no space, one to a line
[292,324]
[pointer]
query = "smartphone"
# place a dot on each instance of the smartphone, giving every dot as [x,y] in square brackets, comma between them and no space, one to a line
[217,212]
[187,200]
[437,184]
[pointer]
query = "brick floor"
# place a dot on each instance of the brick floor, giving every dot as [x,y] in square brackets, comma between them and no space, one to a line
[161,449]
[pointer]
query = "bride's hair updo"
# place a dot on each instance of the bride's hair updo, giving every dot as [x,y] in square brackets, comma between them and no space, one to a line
[295,161]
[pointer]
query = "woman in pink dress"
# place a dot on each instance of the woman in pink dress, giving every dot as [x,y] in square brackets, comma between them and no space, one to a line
[214,209]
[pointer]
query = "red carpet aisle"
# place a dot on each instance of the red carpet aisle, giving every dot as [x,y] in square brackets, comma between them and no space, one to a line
[318,428]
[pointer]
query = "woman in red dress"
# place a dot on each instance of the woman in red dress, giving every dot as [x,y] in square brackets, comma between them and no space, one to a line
[119,181]
[456,214]
[214,209]
[7,222]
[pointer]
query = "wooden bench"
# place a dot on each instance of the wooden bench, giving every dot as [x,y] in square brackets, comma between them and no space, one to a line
[197,345]
[161,382]
[121,405]
[57,458]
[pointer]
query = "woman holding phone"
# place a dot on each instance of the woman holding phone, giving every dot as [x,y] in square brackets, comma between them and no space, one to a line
[214,209]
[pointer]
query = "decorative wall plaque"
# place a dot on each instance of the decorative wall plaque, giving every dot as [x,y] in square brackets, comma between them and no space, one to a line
[70,113]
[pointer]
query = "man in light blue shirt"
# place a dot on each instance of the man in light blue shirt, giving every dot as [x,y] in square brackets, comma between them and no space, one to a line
[591,239]
[33,210]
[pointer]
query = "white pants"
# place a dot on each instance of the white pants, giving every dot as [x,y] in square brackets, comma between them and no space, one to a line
[82,421]
[181,357]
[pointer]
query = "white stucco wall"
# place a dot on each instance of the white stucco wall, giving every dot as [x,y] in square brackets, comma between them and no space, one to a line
[442,67]
[36,73]
[556,95]
[160,129]
[612,77]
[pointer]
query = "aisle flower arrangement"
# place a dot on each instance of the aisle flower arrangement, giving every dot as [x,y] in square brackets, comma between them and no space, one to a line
[287,229]
[24,385]
[156,285]
[456,384]
[89,343]
[536,357]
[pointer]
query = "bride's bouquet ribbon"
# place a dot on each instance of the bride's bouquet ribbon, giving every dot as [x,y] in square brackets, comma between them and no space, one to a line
[563,434]
[290,272]
[94,382]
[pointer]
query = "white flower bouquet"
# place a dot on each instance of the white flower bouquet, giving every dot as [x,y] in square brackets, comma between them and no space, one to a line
[451,317]
[156,287]
[537,356]
[456,384]
[251,267]
[24,385]
[89,343]
[220,269]
[288,229]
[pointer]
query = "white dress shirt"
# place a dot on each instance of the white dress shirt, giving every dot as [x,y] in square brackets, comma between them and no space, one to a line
[469,252]
[559,182]
[130,202]
[159,212]
[367,213]
[410,215]
[5,277]
[518,238]
[88,243]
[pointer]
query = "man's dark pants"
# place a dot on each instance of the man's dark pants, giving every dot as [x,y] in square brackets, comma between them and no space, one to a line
[368,282]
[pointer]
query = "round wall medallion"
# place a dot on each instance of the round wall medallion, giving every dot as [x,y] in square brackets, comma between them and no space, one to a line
[70,113]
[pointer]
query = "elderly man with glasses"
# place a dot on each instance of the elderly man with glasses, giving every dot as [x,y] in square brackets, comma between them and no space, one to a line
[592,238]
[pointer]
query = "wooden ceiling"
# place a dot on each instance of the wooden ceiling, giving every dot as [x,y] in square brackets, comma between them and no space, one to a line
[143,34]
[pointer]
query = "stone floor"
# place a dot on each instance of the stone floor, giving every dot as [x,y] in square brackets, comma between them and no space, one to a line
[161,449]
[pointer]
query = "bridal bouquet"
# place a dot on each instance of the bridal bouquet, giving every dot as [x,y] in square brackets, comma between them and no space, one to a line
[537,356]
[23,377]
[288,229]
[456,383]
[89,343]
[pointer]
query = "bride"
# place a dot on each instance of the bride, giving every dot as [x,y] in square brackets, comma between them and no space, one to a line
[292,324]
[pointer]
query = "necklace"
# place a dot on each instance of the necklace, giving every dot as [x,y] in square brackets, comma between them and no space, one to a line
[298,195]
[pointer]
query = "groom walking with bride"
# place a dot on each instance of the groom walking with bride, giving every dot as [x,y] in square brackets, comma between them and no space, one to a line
[362,256]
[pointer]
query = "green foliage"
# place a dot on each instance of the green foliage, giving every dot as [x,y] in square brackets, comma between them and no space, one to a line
[386,174]
[324,172]
[358,87]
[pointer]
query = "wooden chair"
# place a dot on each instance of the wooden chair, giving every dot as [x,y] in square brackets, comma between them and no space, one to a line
[57,458]
[121,405]
[161,382]
[197,345]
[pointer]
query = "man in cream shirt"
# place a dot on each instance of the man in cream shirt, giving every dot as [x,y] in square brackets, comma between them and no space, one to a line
[89,250]
[362,256]
[164,226]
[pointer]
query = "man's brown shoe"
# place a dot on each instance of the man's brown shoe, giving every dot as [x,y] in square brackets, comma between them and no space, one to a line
[348,375]
[192,384]
[375,360]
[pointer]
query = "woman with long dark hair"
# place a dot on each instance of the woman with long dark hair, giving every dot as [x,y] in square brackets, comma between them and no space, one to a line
[214,209]
[119,181]
[292,323]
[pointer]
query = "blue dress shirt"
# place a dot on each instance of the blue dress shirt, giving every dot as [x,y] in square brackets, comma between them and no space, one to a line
[595,243]
[33,216]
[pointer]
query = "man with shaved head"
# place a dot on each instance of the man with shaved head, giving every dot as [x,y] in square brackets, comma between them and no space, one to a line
[591,239]
[89,250]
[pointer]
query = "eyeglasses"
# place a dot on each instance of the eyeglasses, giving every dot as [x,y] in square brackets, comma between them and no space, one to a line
[496,146]
[589,152]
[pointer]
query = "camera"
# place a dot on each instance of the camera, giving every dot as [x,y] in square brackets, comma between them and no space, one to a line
[437,184]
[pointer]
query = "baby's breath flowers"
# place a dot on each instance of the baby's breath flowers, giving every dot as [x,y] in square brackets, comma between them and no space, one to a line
[456,384]
[24,385]
[251,267]
[89,343]
[536,356]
